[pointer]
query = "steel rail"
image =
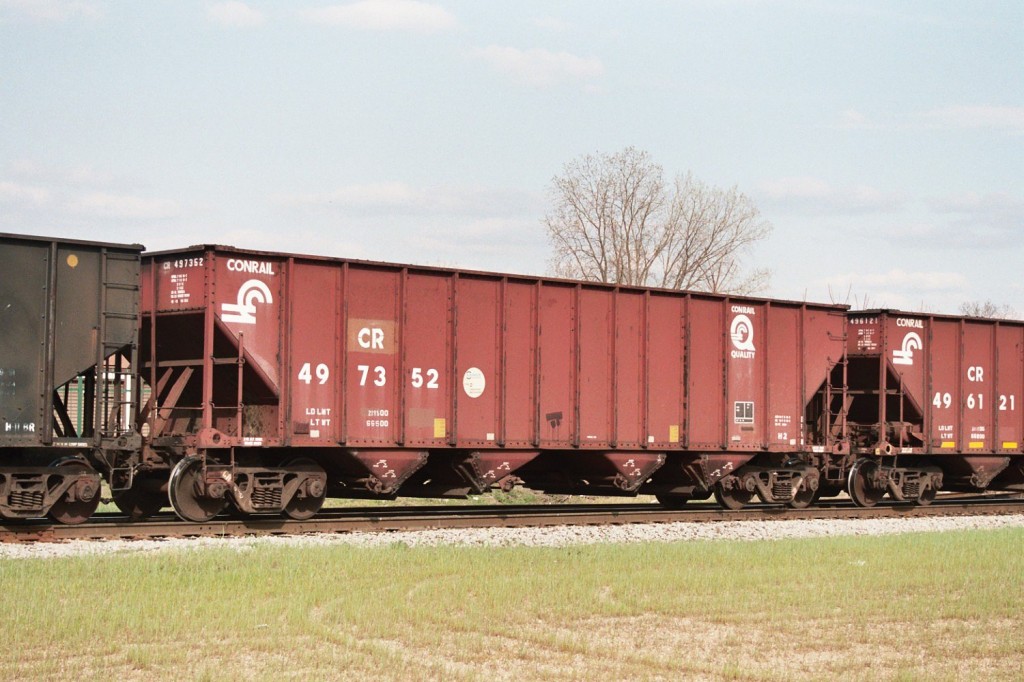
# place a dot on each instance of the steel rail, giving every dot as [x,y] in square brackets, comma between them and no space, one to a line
[385,519]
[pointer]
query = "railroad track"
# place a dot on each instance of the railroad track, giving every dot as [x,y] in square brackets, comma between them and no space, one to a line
[383,519]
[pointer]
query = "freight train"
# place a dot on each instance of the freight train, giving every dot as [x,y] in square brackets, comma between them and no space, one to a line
[213,378]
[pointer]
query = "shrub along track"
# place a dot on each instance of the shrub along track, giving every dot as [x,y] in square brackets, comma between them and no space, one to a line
[382,519]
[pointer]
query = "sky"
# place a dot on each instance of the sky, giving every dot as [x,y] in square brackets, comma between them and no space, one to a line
[883,141]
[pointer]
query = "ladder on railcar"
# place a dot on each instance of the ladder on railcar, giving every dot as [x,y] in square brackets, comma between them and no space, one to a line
[116,394]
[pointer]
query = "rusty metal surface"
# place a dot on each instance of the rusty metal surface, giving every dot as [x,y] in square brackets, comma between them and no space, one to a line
[421,518]
[357,356]
[961,380]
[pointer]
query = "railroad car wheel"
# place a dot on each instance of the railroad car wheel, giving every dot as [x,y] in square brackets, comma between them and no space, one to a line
[140,501]
[71,512]
[803,498]
[927,497]
[183,493]
[306,507]
[859,486]
[734,498]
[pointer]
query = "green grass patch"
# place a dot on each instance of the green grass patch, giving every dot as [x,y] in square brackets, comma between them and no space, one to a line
[917,606]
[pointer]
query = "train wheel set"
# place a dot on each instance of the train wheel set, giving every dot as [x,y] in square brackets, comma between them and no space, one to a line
[214,379]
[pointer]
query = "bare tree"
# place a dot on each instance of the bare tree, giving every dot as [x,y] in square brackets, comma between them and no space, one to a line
[986,309]
[859,301]
[615,219]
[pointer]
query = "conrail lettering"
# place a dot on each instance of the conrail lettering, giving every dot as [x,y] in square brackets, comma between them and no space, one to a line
[251,266]
[905,322]
[745,309]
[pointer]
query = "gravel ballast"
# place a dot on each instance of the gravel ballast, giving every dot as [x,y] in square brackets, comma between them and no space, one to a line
[555,536]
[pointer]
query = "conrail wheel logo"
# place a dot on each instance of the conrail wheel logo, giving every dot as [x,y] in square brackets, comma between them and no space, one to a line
[905,355]
[742,333]
[244,312]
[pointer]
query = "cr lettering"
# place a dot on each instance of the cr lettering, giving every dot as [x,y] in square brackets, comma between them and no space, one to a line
[371,337]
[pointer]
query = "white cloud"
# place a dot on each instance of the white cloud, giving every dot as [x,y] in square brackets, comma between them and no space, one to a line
[124,206]
[235,14]
[972,202]
[808,194]
[81,200]
[35,194]
[554,24]
[474,227]
[977,117]
[50,10]
[954,117]
[539,67]
[41,174]
[371,197]
[796,187]
[13,192]
[851,119]
[391,198]
[472,235]
[980,221]
[902,280]
[897,288]
[960,223]
[384,15]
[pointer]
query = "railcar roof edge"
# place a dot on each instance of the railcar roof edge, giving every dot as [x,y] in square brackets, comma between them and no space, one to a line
[940,316]
[486,273]
[63,240]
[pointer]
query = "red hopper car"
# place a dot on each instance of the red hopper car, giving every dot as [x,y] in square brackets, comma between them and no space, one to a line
[281,379]
[933,402]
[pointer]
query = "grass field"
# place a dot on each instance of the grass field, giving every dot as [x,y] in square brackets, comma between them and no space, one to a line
[908,607]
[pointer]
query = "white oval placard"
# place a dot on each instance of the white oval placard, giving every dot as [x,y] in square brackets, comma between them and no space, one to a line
[473,382]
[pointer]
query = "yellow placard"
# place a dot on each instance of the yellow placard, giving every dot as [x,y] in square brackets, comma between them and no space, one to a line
[1010,445]
[949,444]
[976,445]
[673,433]
[440,427]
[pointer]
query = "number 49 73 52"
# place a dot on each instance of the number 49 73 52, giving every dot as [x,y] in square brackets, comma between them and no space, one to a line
[323,373]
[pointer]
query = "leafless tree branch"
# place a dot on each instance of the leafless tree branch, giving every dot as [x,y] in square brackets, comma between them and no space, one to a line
[987,309]
[614,219]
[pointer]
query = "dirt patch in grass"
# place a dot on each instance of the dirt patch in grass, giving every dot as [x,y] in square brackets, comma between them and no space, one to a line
[653,647]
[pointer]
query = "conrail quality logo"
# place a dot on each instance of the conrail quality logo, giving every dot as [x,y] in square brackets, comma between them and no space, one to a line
[244,312]
[742,332]
[905,354]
